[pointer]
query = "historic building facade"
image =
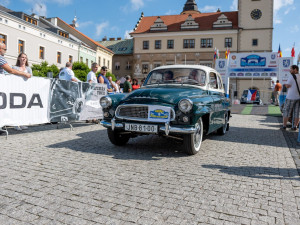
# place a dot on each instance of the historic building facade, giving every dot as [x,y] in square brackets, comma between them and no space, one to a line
[191,37]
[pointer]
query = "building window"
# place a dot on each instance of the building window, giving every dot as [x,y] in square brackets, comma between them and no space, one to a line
[145,69]
[228,42]
[254,42]
[206,43]
[108,64]
[70,59]
[156,65]
[103,62]
[63,34]
[157,44]
[81,59]
[42,53]
[145,44]
[117,65]
[189,43]
[128,66]
[3,38]
[87,62]
[30,20]
[170,44]
[99,61]
[59,57]
[21,46]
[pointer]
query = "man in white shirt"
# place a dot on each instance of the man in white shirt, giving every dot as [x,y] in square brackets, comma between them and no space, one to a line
[91,77]
[67,73]
[291,103]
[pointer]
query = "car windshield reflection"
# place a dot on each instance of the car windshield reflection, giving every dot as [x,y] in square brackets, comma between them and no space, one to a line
[177,76]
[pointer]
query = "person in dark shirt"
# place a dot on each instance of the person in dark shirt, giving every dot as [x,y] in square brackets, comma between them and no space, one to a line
[127,85]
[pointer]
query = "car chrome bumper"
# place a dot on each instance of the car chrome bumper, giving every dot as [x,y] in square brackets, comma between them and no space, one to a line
[167,128]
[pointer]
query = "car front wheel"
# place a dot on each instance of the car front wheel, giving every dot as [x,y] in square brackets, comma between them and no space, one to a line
[192,142]
[117,138]
[222,130]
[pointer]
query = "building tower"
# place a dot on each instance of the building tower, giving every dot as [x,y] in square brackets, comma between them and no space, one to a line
[190,7]
[255,25]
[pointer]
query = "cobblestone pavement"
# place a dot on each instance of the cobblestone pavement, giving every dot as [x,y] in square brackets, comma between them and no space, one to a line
[58,176]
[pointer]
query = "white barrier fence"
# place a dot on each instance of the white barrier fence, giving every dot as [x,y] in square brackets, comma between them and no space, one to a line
[43,100]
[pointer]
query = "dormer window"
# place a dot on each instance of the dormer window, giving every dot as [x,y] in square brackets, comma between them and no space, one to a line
[63,34]
[30,20]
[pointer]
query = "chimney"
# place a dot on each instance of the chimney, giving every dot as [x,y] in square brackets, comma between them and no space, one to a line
[119,38]
[111,39]
[104,39]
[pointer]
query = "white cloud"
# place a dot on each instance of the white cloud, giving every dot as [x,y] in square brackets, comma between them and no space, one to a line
[279,4]
[84,24]
[137,4]
[4,2]
[40,9]
[234,5]
[100,27]
[60,2]
[171,12]
[294,29]
[209,8]
[127,34]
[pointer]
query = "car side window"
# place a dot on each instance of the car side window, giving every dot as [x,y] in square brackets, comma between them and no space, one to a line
[213,83]
[220,85]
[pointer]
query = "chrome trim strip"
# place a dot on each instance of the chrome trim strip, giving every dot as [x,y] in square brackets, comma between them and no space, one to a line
[108,124]
[138,119]
[178,130]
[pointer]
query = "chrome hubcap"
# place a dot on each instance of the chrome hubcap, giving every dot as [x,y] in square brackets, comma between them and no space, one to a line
[197,137]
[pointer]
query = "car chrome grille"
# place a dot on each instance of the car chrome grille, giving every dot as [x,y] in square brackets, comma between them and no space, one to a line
[136,112]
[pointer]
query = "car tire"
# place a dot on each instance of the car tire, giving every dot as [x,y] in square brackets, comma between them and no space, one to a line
[222,130]
[192,142]
[117,138]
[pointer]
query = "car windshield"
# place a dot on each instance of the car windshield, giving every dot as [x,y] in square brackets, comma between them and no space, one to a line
[177,76]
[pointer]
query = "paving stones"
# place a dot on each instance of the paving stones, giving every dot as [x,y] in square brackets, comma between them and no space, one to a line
[58,176]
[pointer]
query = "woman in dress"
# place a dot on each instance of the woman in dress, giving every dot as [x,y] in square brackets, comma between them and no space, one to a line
[22,65]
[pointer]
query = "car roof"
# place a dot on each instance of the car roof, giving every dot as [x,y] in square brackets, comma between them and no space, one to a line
[206,68]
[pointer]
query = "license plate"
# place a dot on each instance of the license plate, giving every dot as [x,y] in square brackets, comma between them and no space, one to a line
[144,128]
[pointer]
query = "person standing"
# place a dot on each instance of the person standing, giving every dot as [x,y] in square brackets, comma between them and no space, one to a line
[292,98]
[91,77]
[22,65]
[113,84]
[127,88]
[67,73]
[5,67]
[103,80]
[135,84]
[277,90]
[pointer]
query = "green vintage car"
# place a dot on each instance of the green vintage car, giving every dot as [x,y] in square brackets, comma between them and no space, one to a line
[178,101]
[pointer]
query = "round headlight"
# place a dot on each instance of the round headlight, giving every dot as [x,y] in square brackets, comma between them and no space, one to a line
[185,105]
[105,102]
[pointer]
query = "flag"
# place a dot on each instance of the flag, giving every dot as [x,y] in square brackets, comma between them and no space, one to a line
[279,52]
[293,51]
[218,54]
[251,95]
[226,53]
[215,55]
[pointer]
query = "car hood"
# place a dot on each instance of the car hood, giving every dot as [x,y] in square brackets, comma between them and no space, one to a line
[164,94]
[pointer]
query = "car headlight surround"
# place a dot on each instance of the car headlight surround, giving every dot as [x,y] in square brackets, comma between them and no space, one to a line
[185,105]
[105,102]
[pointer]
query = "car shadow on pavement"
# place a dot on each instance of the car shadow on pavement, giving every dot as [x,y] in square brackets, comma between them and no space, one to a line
[46,127]
[252,136]
[148,147]
[268,173]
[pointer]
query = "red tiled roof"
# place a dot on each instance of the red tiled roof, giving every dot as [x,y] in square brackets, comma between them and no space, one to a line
[205,21]
[95,42]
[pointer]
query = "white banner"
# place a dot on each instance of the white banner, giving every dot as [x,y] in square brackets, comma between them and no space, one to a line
[284,68]
[23,101]
[248,65]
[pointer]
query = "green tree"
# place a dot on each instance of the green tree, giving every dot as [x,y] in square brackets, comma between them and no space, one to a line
[42,69]
[81,70]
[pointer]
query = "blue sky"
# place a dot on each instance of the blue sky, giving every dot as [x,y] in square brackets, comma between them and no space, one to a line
[116,18]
